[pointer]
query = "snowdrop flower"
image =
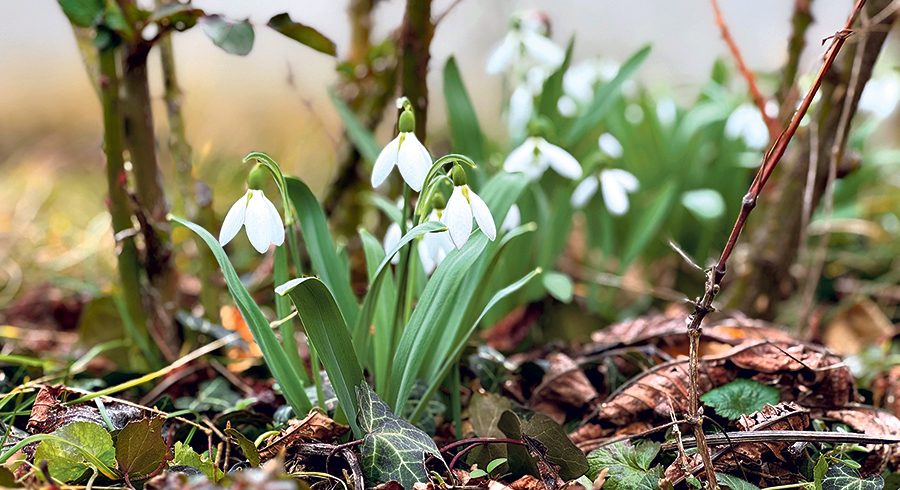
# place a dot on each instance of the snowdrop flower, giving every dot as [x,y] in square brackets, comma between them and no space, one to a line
[535,155]
[566,106]
[610,145]
[513,219]
[615,184]
[391,238]
[666,111]
[521,105]
[746,122]
[462,206]
[433,247]
[407,153]
[578,81]
[528,37]
[258,214]
[880,96]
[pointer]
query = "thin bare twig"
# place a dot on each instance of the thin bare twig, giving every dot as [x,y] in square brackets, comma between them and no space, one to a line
[758,98]
[703,306]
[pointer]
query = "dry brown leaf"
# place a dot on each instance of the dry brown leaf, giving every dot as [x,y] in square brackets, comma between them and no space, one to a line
[49,413]
[855,328]
[564,391]
[314,428]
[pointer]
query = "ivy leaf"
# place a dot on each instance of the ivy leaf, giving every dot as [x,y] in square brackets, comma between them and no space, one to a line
[82,13]
[303,34]
[629,466]
[234,36]
[392,449]
[77,447]
[819,471]
[843,477]
[741,396]
[185,455]
[735,483]
[140,448]
[560,449]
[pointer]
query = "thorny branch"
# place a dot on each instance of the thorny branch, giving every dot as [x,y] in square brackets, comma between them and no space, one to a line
[703,306]
[758,98]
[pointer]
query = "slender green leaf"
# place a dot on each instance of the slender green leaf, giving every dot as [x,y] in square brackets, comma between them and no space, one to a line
[328,334]
[322,251]
[384,306]
[75,448]
[247,446]
[604,99]
[559,286]
[387,207]
[82,13]
[303,34]
[284,371]
[649,224]
[233,36]
[392,448]
[464,128]
[553,87]
[362,138]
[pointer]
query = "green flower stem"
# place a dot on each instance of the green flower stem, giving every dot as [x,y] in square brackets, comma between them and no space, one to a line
[283,309]
[127,258]
[402,288]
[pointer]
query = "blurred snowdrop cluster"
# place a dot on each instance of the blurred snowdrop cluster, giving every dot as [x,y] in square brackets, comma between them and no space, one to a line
[746,123]
[614,183]
[880,96]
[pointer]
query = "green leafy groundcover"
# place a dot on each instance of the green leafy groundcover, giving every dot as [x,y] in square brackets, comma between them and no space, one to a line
[741,396]
[75,449]
[628,466]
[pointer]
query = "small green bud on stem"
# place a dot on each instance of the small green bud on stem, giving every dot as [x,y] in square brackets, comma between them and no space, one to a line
[438,202]
[458,175]
[257,177]
[407,122]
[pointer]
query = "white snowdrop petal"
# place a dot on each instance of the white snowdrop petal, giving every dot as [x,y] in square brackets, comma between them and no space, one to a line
[257,222]
[584,192]
[458,218]
[704,203]
[414,162]
[391,239]
[502,55]
[542,49]
[614,195]
[483,216]
[625,178]
[521,105]
[274,223]
[385,162]
[666,111]
[578,81]
[233,220]
[610,145]
[566,106]
[424,248]
[560,160]
[513,219]
[520,158]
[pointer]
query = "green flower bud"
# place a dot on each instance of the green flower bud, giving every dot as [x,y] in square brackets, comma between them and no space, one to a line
[458,175]
[407,122]
[438,202]
[257,177]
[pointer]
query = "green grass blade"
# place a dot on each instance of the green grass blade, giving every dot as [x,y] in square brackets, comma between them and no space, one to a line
[282,369]
[553,88]
[326,262]
[465,131]
[649,224]
[361,137]
[384,308]
[328,334]
[604,99]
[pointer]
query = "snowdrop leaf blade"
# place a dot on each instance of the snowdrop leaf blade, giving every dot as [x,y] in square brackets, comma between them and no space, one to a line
[233,221]
[465,131]
[322,251]
[286,374]
[561,161]
[483,216]
[584,192]
[386,161]
[361,137]
[414,161]
[327,332]
[553,86]
[385,299]
[604,98]
[649,223]
[458,217]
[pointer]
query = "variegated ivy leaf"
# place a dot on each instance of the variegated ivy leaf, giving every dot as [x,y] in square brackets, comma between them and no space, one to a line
[843,477]
[392,449]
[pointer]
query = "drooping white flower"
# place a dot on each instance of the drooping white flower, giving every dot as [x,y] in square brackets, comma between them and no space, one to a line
[746,122]
[392,237]
[880,96]
[579,81]
[566,106]
[513,219]
[521,105]
[615,184]
[527,38]
[409,155]
[535,155]
[666,111]
[705,204]
[610,145]
[255,212]
[463,205]
[433,247]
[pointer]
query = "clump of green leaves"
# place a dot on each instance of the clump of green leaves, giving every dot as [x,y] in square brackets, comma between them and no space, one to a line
[628,466]
[741,397]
